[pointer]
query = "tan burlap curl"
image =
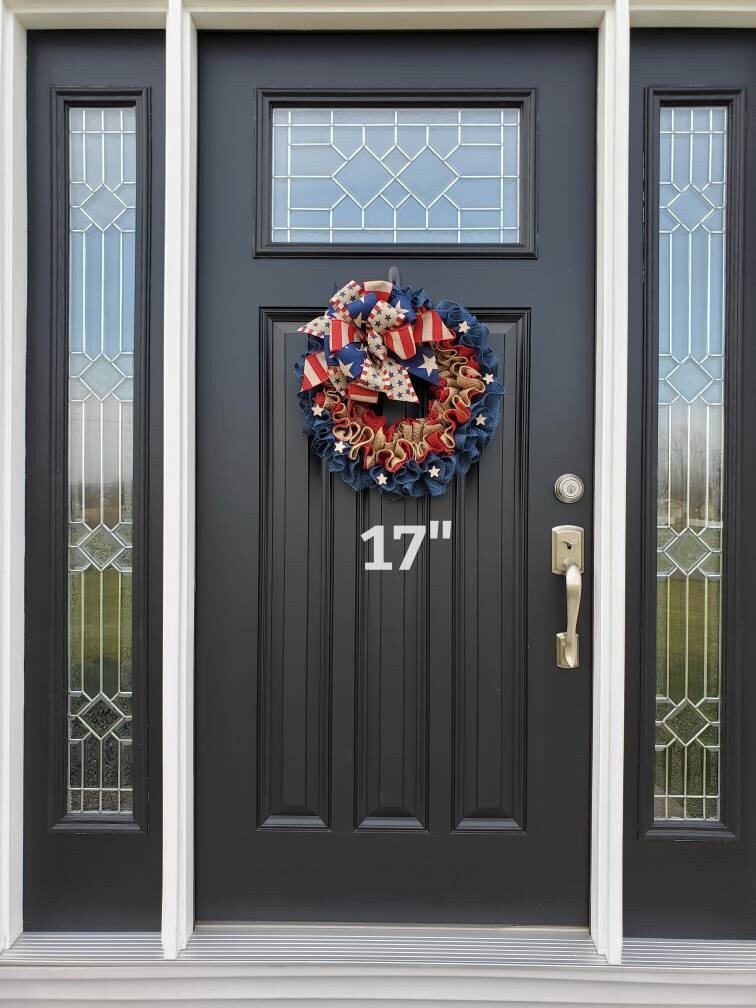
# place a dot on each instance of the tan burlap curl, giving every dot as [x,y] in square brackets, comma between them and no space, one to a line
[408,439]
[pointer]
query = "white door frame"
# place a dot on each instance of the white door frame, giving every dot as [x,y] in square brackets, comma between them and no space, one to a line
[181,20]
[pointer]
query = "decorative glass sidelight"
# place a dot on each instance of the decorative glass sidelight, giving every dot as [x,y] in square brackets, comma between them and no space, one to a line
[100,499]
[396,175]
[692,270]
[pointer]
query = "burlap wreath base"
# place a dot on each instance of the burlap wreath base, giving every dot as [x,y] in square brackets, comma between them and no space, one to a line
[378,340]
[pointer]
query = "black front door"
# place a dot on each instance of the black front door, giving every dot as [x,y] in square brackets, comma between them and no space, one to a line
[392,745]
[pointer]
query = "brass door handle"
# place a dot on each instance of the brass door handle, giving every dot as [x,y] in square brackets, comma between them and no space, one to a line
[567,559]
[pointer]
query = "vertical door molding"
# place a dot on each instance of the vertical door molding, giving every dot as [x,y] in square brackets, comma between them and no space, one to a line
[613,124]
[179,479]
[12,463]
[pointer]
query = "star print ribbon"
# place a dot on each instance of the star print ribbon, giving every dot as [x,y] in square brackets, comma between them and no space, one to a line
[373,341]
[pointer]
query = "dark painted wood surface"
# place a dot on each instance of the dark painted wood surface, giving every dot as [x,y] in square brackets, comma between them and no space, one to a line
[391,746]
[93,876]
[689,880]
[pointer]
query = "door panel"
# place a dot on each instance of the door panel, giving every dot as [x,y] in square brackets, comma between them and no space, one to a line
[391,746]
[92,756]
[690,841]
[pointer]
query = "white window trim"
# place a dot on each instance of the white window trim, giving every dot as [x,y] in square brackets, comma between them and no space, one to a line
[181,20]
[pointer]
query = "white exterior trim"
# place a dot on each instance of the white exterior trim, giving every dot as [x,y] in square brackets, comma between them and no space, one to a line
[368,986]
[613,18]
[12,460]
[178,479]
[609,521]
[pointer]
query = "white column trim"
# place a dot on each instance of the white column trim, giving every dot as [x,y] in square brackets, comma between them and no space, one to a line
[613,124]
[179,479]
[12,466]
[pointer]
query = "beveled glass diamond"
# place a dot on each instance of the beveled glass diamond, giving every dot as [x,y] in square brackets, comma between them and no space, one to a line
[690,207]
[685,722]
[687,551]
[363,177]
[102,377]
[102,546]
[689,379]
[101,716]
[427,176]
[395,160]
[103,207]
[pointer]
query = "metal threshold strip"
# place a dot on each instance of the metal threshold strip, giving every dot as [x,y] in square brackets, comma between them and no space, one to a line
[388,945]
[320,945]
[332,945]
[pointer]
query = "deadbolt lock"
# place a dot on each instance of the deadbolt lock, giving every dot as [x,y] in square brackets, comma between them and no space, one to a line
[569,488]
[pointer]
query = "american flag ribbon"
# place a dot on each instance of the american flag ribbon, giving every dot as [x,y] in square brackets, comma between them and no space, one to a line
[429,328]
[384,317]
[359,393]
[317,327]
[341,334]
[315,371]
[401,341]
[348,293]
[383,288]
[372,346]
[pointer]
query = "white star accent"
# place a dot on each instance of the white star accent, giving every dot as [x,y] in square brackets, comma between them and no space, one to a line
[340,446]
[434,471]
[480,419]
[317,409]
[488,378]
[463,326]
[346,369]
[358,319]
[428,365]
[381,479]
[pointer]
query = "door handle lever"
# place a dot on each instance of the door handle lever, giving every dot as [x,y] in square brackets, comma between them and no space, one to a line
[567,559]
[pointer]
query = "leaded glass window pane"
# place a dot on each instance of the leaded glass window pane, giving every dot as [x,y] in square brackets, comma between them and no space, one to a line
[692,271]
[402,176]
[102,282]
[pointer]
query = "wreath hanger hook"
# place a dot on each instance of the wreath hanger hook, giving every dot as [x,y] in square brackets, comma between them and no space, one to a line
[393,276]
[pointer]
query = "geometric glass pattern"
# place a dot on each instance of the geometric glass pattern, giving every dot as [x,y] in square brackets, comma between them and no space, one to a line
[692,268]
[404,175]
[102,284]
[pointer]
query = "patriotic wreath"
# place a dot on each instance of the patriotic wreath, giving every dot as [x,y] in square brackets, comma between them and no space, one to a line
[372,340]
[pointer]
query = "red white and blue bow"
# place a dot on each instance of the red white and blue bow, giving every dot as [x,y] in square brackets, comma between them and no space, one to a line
[373,340]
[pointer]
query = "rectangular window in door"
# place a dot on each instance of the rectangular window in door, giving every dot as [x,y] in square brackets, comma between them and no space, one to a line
[693,227]
[340,173]
[103,241]
[98,776]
